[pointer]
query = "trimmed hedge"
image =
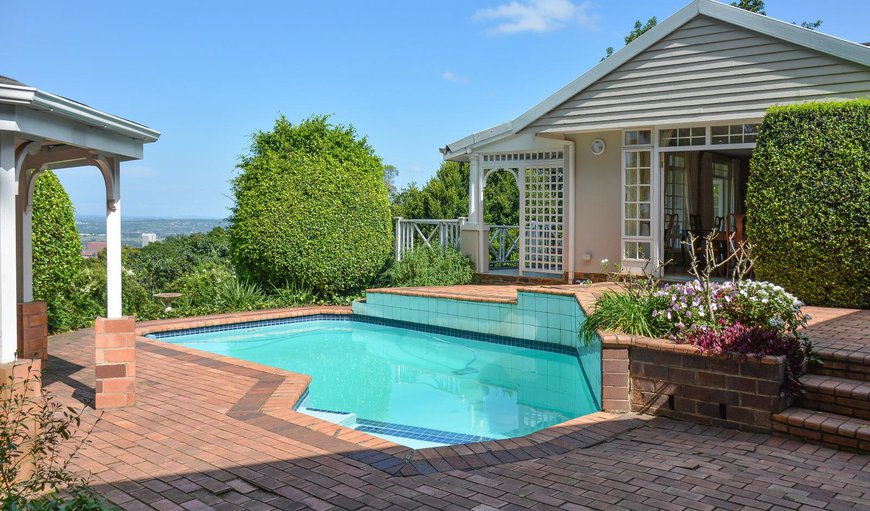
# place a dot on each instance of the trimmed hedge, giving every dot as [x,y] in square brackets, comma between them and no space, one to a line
[808,202]
[311,209]
[57,250]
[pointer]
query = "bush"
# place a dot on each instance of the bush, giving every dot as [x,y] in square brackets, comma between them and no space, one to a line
[424,266]
[35,427]
[199,287]
[57,258]
[159,264]
[626,312]
[808,201]
[311,208]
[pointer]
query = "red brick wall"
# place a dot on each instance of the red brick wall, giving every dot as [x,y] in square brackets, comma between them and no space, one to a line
[32,330]
[115,369]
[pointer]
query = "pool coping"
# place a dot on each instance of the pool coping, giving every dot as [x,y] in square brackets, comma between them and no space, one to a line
[269,403]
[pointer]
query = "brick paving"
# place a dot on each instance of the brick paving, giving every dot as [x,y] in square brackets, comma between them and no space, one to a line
[190,444]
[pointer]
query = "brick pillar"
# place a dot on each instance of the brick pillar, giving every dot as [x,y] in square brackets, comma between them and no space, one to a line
[614,376]
[32,330]
[116,362]
[12,379]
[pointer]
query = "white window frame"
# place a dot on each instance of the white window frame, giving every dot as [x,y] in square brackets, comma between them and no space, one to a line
[635,265]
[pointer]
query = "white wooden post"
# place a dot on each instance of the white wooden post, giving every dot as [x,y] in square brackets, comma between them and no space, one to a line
[27,253]
[569,192]
[113,242]
[398,238]
[8,269]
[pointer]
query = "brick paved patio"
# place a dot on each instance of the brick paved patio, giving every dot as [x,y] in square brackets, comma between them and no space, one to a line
[185,447]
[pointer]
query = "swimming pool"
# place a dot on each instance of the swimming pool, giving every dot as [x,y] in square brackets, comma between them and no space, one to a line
[413,387]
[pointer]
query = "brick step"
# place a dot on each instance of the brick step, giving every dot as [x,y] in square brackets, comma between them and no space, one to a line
[836,395]
[829,429]
[853,365]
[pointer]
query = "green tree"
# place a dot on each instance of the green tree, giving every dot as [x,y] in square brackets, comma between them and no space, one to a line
[638,30]
[756,6]
[501,199]
[57,258]
[158,264]
[445,195]
[390,174]
[311,208]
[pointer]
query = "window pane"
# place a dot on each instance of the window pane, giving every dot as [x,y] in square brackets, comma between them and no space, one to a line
[643,251]
[644,137]
[631,211]
[631,159]
[643,193]
[644,159]
[644,211]
[630,228]
[645,176]
[630,138]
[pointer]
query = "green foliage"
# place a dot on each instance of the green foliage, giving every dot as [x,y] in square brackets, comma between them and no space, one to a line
[431,267]
[199,287]
[240,295]
[808,201]
[311,208]
[57,250]
[751,6]
[443,196]
[35,427]
[501,199]
[625,312]
[638,30]
[157,265]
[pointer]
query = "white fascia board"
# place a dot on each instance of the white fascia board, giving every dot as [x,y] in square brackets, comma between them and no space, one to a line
[821,42]
[16,94]
[462,146]
[92,116]
[46,125]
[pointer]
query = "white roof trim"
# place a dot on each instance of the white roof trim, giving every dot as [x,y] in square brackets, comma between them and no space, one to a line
[818,41]
[40,100]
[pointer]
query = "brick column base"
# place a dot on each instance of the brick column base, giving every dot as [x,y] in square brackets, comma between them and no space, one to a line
[22,377]
[115,341]
[614,376]
[32,330]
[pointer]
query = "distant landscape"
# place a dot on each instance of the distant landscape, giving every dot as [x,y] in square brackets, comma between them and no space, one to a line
[93,227]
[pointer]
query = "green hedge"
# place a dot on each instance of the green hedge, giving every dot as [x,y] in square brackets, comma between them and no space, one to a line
[424,266]
[311,209]
[808,202]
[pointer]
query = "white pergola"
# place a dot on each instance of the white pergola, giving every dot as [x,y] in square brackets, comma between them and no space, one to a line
[40,131]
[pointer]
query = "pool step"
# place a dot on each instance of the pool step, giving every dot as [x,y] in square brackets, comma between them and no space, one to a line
[836,395]
[831,429]
[346,419]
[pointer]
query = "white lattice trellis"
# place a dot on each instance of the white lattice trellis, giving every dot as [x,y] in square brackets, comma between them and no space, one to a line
[543,218]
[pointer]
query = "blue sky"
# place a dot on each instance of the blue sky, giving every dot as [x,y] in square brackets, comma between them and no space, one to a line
[413,76]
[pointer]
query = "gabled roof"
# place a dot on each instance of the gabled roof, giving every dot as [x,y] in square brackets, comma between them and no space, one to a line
[789,32]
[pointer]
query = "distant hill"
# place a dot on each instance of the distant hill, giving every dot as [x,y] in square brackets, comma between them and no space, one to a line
[93,228]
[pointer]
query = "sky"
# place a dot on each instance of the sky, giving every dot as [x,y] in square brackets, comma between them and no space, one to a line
[410,75]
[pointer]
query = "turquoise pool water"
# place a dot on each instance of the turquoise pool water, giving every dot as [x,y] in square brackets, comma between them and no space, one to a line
[413,387]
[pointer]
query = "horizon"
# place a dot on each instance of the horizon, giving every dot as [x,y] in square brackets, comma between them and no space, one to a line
[411,79]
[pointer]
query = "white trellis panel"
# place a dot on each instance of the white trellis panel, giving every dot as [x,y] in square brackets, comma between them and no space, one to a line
[543,218]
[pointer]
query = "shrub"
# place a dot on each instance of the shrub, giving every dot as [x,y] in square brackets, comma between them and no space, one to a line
[311,208]
[57,257]
[240,295]
[159,264]
[199,287]
[808,201]
[424,266]
[769,306]
[35,427]
[758,341]
[626,312]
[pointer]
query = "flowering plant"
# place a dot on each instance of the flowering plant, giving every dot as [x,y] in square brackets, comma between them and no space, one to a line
[757,341]
[692,307]
[768,305]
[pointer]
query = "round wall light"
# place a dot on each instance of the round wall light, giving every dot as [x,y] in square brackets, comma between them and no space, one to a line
[598,147]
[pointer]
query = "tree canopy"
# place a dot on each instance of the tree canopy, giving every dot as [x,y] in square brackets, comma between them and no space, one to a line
[311,208]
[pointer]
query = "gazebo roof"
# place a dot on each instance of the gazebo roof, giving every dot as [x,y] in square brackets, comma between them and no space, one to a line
[49,116]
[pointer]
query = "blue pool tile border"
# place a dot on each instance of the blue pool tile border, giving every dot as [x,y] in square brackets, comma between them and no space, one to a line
[420,327]
[416,433]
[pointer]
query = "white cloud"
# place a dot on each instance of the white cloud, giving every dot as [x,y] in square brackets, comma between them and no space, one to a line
[450,76]
[537,16]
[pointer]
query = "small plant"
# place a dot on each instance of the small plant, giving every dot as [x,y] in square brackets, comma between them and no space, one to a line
[426,266]
[38,440]
[240,295]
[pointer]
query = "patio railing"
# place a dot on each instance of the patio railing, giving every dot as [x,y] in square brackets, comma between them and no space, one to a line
[504,243]
[412,233]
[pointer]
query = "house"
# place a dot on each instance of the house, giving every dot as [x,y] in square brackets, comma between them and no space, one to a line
[653,142]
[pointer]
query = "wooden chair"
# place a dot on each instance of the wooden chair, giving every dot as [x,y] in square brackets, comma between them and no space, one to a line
[735,238]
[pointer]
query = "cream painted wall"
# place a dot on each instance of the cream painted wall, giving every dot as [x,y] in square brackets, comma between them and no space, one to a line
[597,229]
